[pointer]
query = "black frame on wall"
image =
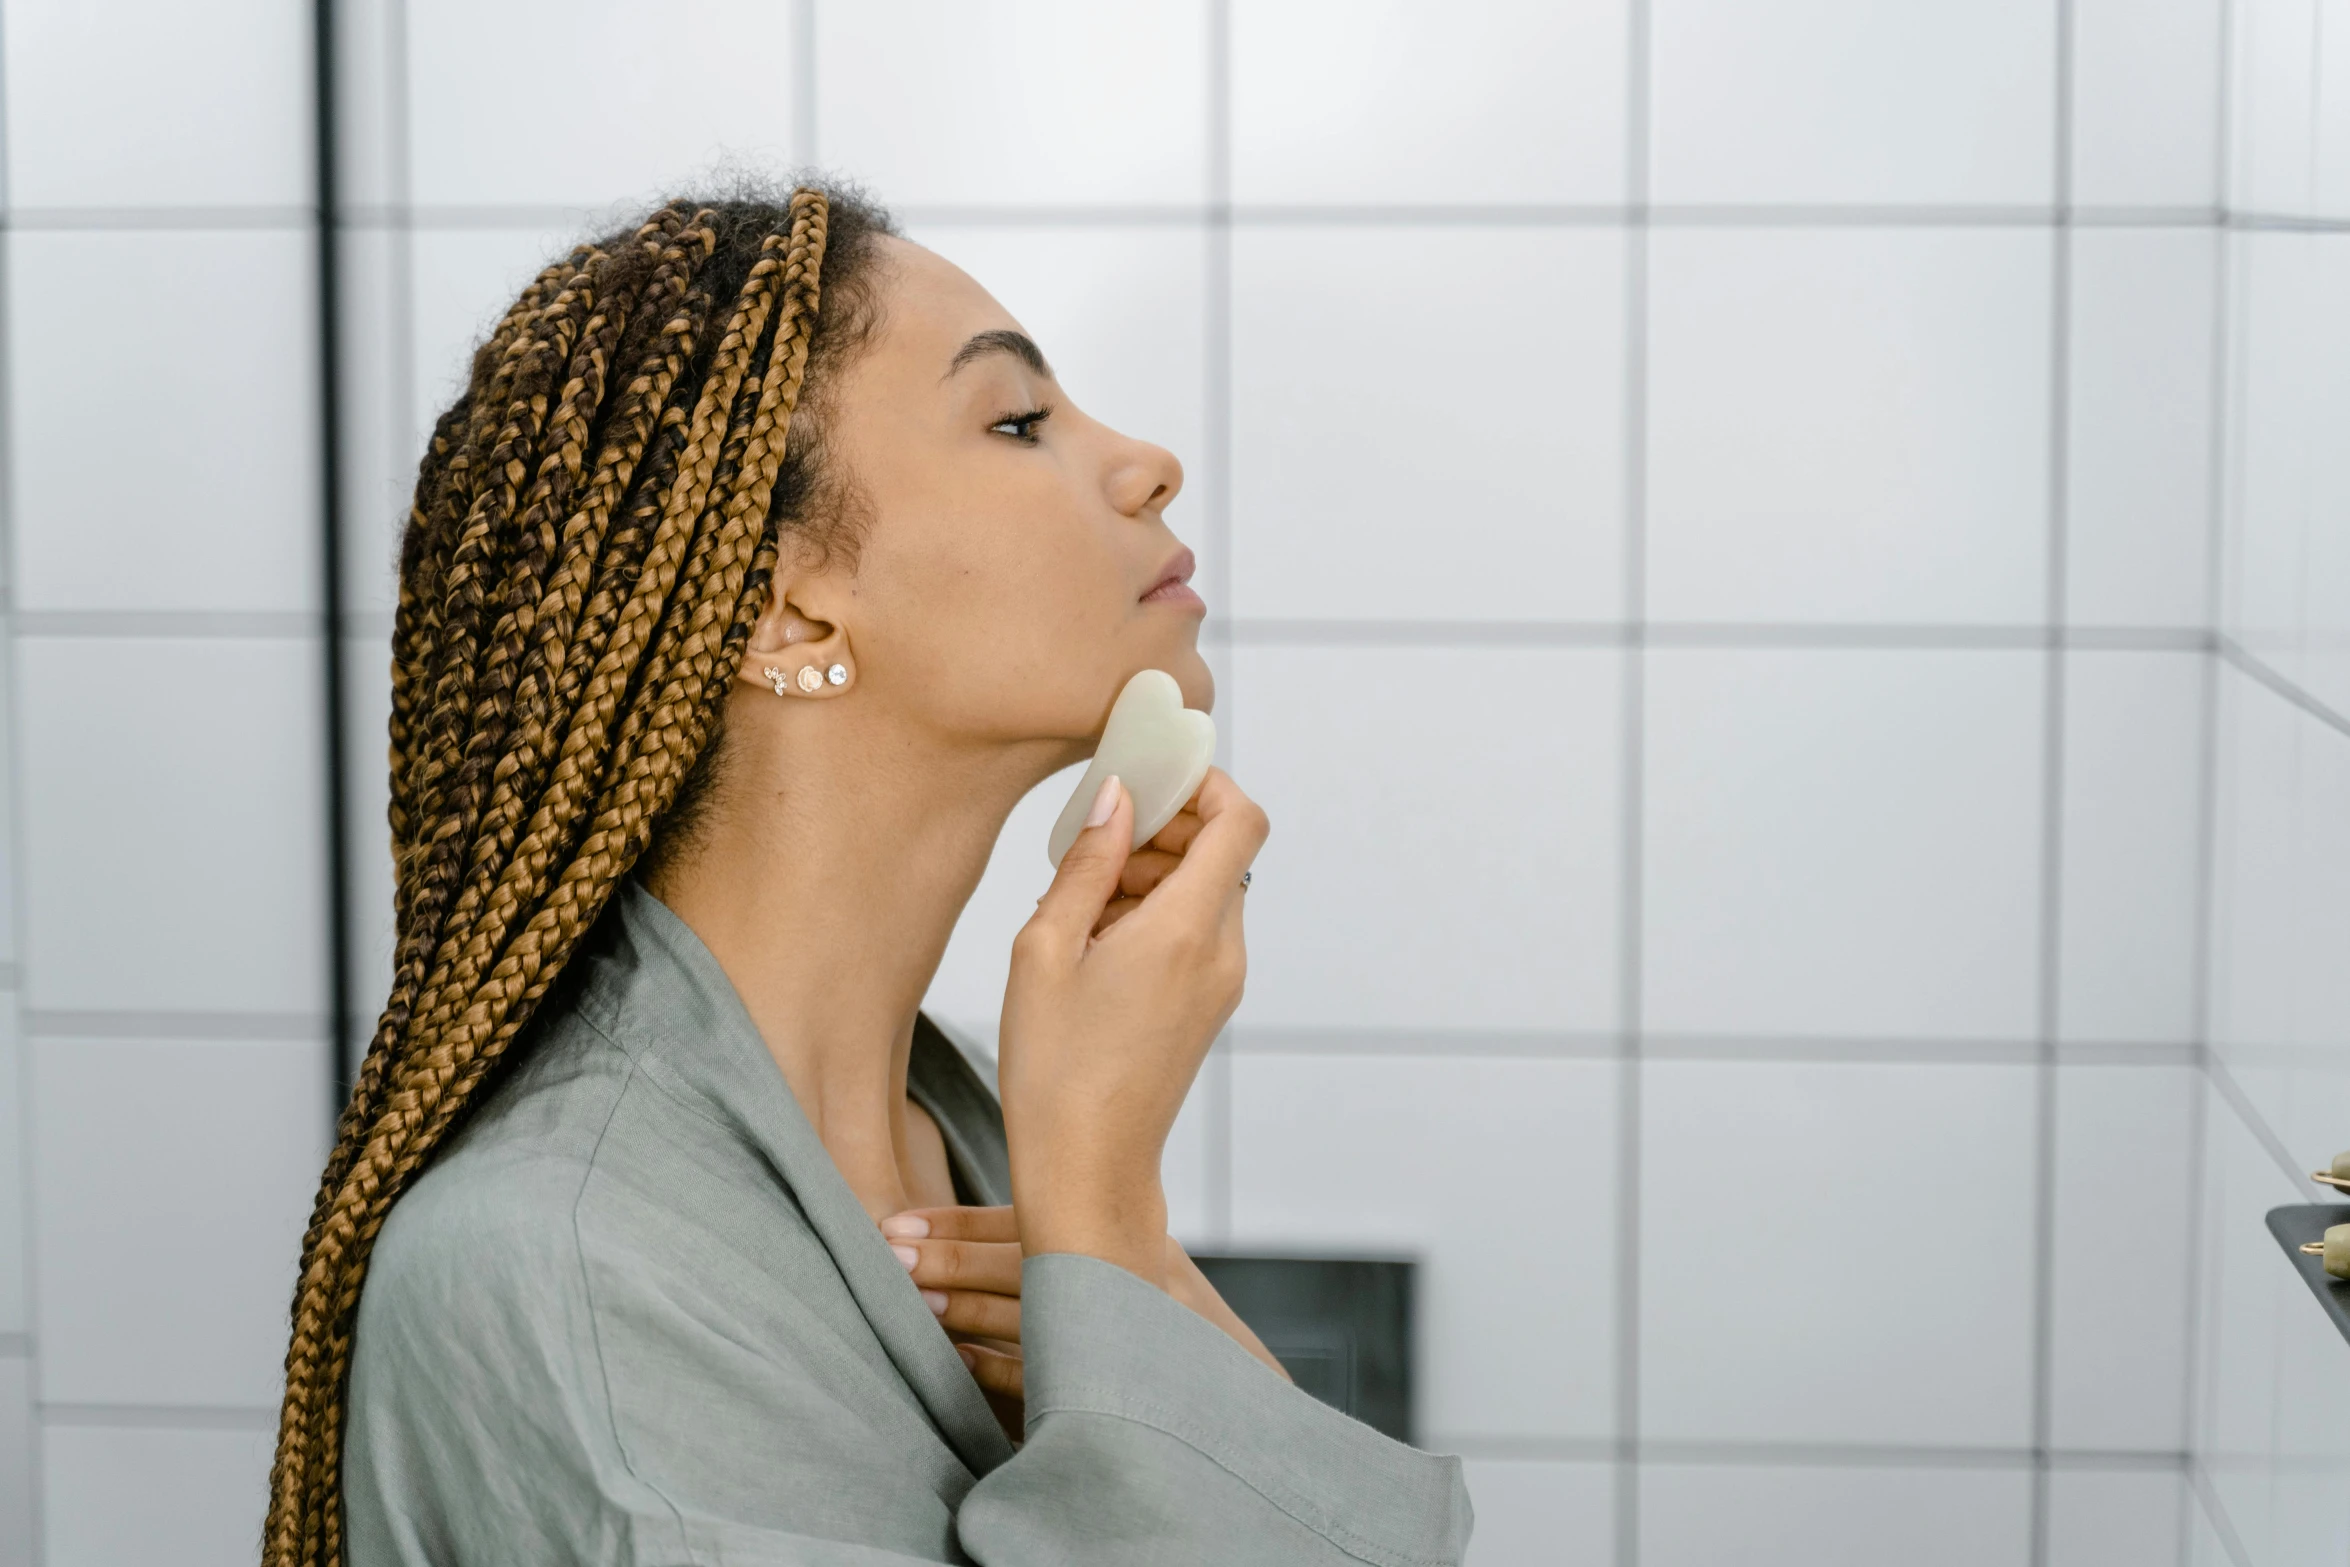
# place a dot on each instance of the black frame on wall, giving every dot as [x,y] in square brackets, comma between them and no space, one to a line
[326,150]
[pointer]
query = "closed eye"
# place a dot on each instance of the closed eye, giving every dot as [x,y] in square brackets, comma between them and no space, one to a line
[1021,427]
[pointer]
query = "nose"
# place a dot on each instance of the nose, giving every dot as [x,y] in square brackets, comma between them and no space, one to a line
[1142,477]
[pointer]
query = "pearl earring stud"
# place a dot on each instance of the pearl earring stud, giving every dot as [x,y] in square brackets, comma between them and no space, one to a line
[811,679]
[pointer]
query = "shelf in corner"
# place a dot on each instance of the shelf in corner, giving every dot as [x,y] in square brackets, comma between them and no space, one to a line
[2305,1222]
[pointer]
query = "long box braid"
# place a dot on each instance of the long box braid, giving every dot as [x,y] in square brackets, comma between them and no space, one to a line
[595,527]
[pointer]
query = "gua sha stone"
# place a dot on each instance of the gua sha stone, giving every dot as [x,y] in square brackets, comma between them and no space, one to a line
[2337,1176]
[1160,751]
[2335,1249]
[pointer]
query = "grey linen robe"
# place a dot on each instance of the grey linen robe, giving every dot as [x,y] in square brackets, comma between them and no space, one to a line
[633,1315]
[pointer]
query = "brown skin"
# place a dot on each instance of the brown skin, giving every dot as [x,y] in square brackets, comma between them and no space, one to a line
[992,614]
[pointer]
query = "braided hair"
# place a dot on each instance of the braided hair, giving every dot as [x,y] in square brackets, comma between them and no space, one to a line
[594,532]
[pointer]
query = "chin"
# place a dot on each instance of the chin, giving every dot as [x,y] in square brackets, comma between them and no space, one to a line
[1193,676]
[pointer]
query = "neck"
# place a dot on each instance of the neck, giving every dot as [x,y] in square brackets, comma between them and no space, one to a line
[826,873]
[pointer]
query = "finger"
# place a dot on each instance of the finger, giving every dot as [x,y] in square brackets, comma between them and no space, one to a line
[1088,873]
[1117,910]
[1145,868]
[993,1370]
[962,1265]
[1232,829]
[1176,836]
[976,1311]
[953,1224]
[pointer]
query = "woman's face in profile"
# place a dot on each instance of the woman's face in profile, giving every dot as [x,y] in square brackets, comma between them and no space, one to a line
[1015,562]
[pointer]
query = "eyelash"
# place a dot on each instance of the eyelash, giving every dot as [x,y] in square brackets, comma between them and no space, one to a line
[1032,418]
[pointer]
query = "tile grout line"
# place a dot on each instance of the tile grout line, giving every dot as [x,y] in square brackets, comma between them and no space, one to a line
[446,217]
[2056,611]
[2265,675]
[1632,782]
[1216,393]
[2217,508]
[12,693]
[1519,635]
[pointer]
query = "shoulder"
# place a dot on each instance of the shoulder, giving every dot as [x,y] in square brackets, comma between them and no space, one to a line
[488,1228]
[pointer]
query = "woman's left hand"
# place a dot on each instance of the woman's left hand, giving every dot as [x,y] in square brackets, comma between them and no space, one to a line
[967,1263]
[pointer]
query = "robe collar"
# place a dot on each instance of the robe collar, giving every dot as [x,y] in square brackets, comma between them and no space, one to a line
[677,1000]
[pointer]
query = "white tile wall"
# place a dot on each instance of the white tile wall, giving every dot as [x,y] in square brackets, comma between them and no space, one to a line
[170,792]
[1445,834]
[1386,463]
[2098,1519]
[367,717]
[2122,1281]
[1846,101]
[2291,393]
[2138,474]
[15,1305]
[1840,424]
[200,1173]
[1842,842]
[2256,928]
[2249,1297]
[380,440]
[1836,1252]
[1694,1515]
[1024,102]
[220,509]
[462,282]
[596,117]
[147,103]
[2146,82]
[1121,312]
[114,1496]
[18,1440]
[2332,153]
[2275,108]
[1848,424]
[2325,606]
[1337,102]
[1535,1512]
[2131,866]
[1498,1173]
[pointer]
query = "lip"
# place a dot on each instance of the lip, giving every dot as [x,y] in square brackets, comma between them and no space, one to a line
[1174,583]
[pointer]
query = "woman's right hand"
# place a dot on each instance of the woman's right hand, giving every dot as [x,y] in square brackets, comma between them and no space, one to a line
[1115,994]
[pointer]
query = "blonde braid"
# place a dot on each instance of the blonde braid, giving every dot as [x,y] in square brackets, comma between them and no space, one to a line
[547,614]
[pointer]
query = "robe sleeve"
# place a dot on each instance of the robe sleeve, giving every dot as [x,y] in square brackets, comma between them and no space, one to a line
[1153,1437]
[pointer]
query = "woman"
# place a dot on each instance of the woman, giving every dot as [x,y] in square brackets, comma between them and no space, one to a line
[759,571]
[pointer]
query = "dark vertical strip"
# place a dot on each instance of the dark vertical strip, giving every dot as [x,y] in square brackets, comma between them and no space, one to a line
[2049,1002]
[330,554]
[1631,905]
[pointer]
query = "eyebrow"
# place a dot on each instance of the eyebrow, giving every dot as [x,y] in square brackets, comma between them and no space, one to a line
[1001,341]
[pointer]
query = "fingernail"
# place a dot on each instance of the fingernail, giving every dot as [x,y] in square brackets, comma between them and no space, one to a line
[936,1300]
[909,1256]
[1105,802]
[906,1227]
[969,1355]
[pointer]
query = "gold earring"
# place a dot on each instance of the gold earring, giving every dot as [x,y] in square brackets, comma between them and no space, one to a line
[775,678]
[811,679]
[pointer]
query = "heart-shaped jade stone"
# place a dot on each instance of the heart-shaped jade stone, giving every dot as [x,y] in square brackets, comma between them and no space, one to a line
[1160,751]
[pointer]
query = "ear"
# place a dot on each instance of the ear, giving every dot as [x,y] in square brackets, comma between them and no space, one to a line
[793,654]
